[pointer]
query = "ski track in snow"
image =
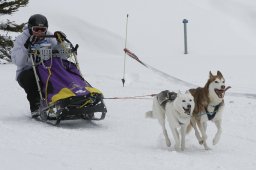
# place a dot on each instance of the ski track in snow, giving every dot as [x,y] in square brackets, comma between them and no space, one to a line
[124,137]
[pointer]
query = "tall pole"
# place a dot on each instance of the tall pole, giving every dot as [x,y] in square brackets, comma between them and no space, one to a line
[125,44]
[185,21]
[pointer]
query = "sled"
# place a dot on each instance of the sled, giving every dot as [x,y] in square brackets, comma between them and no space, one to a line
[64,93]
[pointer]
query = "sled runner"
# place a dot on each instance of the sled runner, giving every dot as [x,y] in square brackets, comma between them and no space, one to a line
[64,93]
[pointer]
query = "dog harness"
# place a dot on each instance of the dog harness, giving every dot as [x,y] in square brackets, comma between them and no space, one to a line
[165,96]
[211,115]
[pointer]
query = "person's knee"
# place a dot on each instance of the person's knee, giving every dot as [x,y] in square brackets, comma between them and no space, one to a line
[26,78]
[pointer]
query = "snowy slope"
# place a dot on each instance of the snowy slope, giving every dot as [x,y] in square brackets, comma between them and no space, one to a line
[221,37]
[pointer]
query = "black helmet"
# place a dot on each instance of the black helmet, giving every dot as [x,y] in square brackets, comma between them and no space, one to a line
[37,20]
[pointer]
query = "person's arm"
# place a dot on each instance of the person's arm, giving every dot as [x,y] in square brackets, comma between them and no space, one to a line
[19,53]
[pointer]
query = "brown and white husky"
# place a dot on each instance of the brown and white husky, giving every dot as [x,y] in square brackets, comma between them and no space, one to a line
[209,104]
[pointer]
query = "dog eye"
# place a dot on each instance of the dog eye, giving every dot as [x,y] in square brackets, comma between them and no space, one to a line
[216,81]
[190,100]
[183,101]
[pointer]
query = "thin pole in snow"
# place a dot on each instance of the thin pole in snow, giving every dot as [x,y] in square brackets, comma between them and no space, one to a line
[125,44]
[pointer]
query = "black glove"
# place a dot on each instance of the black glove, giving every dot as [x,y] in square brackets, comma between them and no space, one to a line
[31,40]
[60,36]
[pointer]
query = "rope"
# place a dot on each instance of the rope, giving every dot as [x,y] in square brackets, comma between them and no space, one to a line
[48,79]
[47,82]
[132,97]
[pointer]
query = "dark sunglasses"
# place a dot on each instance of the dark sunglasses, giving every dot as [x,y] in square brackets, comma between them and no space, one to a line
[38,28]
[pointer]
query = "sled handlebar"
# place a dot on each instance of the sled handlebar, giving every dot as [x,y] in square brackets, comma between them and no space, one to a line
[74,49]
[46,36]
[59,39]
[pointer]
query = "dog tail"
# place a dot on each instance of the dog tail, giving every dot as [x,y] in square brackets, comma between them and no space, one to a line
[149,114]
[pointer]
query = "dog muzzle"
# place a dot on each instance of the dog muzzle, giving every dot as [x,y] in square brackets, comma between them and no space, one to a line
[187,110]
[221,92]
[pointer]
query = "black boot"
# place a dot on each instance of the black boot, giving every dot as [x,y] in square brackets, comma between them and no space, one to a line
[34,109]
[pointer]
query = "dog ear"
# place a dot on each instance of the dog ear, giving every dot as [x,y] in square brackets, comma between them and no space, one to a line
[188,93]
[219,74]
[210,74]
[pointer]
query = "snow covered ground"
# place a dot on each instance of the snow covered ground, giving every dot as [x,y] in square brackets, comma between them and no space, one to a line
[221,36]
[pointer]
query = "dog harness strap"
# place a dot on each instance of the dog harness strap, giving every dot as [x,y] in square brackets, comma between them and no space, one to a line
[211,115]
[165,96]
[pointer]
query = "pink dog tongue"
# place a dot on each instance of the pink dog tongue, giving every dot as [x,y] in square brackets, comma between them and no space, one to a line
[227,88]
[222,92]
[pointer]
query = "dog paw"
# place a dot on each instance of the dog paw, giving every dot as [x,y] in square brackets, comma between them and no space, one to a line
[177,148]
[215,141]
[201,142]
[207,148]
[168,143]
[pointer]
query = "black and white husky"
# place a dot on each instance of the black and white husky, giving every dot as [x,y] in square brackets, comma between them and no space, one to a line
[177,108]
